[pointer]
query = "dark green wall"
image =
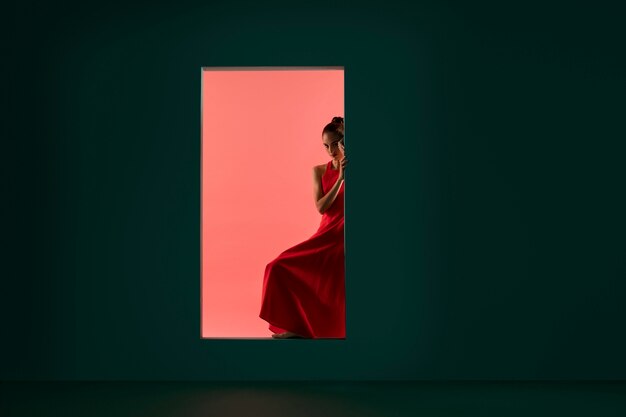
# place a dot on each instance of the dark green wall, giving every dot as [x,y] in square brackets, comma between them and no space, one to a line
[484,218]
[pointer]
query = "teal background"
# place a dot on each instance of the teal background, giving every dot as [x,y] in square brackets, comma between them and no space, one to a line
[484,218]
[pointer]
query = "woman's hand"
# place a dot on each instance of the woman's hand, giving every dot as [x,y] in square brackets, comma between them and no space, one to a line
[344,161]
[342,167]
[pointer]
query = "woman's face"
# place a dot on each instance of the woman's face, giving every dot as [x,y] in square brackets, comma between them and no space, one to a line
[331,144]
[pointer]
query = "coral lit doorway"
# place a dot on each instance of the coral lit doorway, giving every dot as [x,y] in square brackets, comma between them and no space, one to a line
[260,137]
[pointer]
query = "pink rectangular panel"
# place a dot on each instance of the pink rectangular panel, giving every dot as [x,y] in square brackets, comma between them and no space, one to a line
[261,137]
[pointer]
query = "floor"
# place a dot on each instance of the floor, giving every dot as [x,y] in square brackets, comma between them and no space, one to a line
[328,399]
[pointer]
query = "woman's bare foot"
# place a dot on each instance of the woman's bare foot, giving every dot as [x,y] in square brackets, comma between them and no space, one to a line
[287,335]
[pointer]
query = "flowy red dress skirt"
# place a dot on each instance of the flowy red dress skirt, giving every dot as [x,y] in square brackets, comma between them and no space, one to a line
[304,286]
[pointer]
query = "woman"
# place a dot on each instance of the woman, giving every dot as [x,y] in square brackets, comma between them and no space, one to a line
[304,287]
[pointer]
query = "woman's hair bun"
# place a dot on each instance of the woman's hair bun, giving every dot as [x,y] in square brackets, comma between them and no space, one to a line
[335,127]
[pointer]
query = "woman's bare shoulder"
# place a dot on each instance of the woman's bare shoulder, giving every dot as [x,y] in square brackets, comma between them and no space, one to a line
[320,168]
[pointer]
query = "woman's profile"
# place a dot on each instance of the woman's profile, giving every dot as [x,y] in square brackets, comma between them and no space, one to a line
[304,286]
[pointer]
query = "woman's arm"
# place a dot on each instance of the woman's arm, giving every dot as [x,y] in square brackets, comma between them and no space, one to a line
[322,202]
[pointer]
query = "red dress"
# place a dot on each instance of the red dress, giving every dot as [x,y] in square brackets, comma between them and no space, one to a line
[304,286]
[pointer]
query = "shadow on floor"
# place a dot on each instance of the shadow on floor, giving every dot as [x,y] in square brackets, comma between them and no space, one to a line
[327,399]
